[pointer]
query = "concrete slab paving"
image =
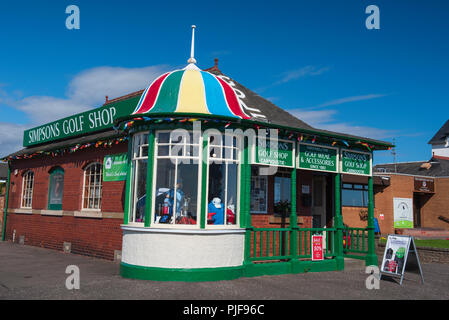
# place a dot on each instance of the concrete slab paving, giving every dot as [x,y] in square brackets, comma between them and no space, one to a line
[35,273]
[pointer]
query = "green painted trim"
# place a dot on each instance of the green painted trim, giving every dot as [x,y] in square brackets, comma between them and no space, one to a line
[6,204]
[293,214]
[172,274]
[243,195]
[245,208]
[149,186]
[338,223]
[371,258]
[251,123]
[226,273]
[290,267]
[128,183]
[204,168]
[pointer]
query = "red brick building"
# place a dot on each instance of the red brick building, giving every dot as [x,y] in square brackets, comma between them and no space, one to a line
[117,181]
[424,185]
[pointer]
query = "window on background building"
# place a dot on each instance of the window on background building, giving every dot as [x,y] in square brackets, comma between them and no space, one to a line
[259,192]
[27,189]
[223,182]
[176,177]
[93,179]
[354,195]
[139,174]
[55,189]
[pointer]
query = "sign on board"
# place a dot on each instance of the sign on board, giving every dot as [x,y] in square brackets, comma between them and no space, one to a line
[317,248]
[355,162]
[115,167]
[317,158]
[79,124]
[274,152]
[426,185]
[395,255]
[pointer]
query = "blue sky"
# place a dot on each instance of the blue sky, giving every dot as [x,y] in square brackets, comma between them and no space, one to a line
[314,58]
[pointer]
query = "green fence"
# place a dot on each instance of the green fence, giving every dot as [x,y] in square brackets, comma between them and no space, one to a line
[355,243]
[271,244]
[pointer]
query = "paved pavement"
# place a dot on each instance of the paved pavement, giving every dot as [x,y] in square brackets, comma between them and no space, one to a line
[35,273]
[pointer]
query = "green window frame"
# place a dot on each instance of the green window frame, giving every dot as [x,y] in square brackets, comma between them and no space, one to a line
[55,188]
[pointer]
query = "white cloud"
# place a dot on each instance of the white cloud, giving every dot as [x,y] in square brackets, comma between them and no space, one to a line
[295,74]
[326,120]
[85,91]
[11,136]
[350,99]
[300,73]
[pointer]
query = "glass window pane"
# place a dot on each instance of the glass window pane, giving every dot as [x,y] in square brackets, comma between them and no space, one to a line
[216,194]
[186,193]
[259,191]
[165,181]
[352,198]
[163,150]
[140,190]
[163,137]
[144,151]
[231,194]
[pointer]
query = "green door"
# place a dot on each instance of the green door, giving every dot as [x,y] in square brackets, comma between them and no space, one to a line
[55,189]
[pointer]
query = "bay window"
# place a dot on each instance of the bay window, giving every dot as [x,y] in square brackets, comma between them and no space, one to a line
[176,178]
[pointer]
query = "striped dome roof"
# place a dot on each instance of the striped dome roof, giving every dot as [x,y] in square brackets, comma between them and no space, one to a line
[190,91]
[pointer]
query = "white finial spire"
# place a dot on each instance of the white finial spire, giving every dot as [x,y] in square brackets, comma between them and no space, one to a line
[192,50]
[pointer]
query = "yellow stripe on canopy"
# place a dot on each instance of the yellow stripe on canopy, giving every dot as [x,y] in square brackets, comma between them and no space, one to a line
[192,96]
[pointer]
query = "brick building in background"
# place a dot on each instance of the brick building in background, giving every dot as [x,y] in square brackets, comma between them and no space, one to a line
[424,185]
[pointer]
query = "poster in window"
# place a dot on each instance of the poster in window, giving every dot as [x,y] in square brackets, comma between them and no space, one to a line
[56,183]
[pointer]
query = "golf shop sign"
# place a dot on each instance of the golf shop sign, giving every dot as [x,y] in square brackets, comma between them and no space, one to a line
[353,162]
[274,152]
[79,124]
[115,167]
[318,158]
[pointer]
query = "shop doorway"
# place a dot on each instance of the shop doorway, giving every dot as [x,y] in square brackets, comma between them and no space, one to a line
[416,211]
[319,202]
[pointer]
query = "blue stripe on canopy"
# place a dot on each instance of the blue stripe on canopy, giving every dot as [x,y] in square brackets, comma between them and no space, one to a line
[215,99]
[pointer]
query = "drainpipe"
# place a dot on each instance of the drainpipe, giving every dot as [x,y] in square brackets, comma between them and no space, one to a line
[6,204]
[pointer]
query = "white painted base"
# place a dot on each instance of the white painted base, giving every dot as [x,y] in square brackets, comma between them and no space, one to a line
[172,248]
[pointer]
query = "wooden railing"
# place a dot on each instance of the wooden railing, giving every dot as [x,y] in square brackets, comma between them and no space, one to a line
[268,244]
[355,242]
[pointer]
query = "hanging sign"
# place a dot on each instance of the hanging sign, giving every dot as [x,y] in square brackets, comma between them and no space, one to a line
[403,212]
[79,124]
[317,158]
[395,256]
[426,185]
[355,162]
[115,167]
[274,152]
[317,248]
